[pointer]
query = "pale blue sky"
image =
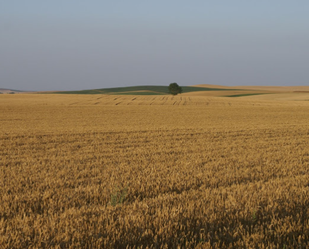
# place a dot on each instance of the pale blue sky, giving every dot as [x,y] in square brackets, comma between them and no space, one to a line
[74,44]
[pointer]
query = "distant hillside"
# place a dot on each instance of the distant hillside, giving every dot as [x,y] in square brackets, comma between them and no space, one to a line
[261,92]
[9,91]
[141,90]
[263,88]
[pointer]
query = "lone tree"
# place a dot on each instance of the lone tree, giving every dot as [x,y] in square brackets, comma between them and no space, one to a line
[174,88]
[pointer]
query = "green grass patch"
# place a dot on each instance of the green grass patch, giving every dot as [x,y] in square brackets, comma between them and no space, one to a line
[139,93]
[115,90]
[243,95]
[187,89]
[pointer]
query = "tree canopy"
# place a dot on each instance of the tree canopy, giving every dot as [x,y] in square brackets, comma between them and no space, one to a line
[174,88]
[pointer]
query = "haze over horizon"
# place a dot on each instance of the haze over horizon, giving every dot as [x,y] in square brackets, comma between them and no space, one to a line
[75,45]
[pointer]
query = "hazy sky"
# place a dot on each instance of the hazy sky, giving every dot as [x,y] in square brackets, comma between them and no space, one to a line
[78,44]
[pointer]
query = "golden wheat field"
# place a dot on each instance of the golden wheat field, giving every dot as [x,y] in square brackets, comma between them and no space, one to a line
[102,171]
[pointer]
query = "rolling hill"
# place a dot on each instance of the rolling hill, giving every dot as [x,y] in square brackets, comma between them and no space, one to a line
[9,91]
[261,92]
[144,90]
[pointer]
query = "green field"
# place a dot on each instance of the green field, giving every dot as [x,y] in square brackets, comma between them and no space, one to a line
[244,95]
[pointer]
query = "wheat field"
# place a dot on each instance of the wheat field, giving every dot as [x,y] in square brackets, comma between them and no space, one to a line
[101,171]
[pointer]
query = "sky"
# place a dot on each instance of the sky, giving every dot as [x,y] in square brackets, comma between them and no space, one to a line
[78,44]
